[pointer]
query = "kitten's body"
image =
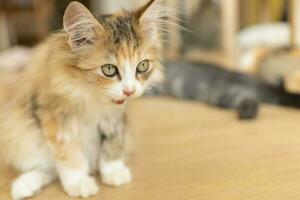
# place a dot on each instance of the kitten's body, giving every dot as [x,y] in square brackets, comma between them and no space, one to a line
[24,138]
[62,117]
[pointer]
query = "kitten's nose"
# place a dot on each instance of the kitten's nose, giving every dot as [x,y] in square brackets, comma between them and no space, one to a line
[129,92]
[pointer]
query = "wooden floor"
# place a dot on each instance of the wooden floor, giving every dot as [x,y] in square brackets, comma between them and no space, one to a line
[189,151]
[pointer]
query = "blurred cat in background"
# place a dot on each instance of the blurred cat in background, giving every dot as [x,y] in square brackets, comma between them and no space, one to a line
[219,87]
[64,117]
[211,84]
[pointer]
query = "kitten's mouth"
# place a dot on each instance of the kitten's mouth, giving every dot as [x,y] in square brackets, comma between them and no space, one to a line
[119,102]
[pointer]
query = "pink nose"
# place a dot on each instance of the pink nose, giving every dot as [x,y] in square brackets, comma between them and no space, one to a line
[128,92]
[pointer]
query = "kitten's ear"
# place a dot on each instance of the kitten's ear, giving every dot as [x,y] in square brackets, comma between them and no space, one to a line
[141,11]
[153,17]
[80,25]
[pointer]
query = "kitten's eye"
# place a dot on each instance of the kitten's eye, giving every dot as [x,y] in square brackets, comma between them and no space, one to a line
[143,66]
[109,70]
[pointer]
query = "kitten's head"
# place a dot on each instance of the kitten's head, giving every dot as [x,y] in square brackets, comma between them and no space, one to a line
[117,54]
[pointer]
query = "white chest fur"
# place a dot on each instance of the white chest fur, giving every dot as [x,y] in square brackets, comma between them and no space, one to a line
[86,129]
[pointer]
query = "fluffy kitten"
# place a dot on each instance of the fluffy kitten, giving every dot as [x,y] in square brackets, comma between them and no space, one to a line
[65,117]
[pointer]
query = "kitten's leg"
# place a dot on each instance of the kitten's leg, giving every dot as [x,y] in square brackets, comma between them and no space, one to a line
[31,182]
[76,181]
[72,166]
[111,166]
[114,172]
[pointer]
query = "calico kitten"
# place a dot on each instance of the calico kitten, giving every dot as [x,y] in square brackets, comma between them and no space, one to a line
[65,117]
[219,87]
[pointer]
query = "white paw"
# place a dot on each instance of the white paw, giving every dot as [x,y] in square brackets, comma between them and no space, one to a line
[115,173]
[26,185]
[84,188]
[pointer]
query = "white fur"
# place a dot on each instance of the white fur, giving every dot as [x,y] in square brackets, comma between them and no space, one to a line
[77,183]
[128,82]
[114,173]
[30,183]
[91,149]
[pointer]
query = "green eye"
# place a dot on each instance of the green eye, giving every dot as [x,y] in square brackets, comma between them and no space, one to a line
[143,66]
[109,70]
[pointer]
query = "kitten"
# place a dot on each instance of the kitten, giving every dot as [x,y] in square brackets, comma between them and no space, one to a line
[219,87]
[65,116]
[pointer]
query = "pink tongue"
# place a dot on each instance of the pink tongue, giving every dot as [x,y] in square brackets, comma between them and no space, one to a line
[119,102]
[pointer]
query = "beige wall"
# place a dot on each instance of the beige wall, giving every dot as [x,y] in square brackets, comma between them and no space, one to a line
[108,6]
[257,11]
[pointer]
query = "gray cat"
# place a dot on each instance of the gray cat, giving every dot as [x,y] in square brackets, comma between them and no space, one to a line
[219,87]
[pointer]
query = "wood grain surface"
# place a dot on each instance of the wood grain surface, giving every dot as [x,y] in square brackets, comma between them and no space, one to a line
[189,151]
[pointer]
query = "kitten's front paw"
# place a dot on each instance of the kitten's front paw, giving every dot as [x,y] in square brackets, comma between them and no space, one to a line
[22,190]
[116,175]
[27,185]
[84,188]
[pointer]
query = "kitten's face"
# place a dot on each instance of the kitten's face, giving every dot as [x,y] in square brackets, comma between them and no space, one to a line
[120,57]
